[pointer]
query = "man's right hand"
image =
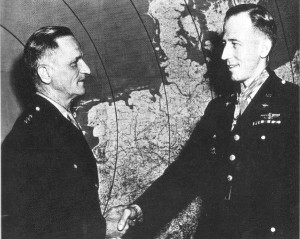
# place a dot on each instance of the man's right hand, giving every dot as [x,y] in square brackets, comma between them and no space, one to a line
[131,215]
[119,218]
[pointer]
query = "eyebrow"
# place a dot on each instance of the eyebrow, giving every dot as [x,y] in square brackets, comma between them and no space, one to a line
[231,40]
[78,58]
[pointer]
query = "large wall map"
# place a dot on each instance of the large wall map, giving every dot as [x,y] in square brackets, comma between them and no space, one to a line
[153,125]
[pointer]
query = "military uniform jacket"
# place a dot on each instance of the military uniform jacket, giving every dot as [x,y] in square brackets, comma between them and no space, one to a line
[247,177]
[49,178]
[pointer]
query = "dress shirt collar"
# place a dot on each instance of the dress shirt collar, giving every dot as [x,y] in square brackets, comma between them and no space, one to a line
[248,92]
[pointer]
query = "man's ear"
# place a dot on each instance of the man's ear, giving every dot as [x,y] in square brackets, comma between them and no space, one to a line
[266,47]
[44,74]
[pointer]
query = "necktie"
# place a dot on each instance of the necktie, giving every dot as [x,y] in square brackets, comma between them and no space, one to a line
[72,120]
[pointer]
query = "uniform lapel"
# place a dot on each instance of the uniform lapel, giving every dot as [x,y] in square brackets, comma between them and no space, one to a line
[229,112]
[260,103]
[53,116]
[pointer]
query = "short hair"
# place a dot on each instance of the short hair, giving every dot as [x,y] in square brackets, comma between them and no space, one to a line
[38,44]
[260,18]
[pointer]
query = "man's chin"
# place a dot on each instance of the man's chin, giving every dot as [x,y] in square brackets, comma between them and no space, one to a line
[234,77]
[81,88]
[81,91]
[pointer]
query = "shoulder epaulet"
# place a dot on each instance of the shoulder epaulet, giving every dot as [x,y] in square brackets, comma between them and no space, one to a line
[30,114]
[289,87]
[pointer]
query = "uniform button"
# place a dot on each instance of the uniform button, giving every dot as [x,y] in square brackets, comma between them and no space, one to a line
[263,137]
[229,178]
[75,166]
[236,137]
[283,82]
[84,132]
[37,108]
[273,229]
[232,157]
[214,136]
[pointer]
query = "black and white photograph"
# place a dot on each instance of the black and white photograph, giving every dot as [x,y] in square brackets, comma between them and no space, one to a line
[150,119]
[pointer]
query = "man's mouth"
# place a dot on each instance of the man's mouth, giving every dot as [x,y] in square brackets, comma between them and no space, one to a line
[231,66]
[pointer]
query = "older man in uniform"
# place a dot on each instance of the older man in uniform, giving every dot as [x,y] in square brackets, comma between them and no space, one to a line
[243,157]
[49,174]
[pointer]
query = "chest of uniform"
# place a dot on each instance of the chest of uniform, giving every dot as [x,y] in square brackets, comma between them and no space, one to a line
[262,134]
[247,156]
[71,158]
[257,140]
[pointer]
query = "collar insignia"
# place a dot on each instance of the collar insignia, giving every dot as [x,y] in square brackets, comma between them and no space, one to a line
[264,105]
[268,95]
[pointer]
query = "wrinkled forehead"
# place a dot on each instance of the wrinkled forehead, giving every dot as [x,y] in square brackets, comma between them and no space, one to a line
[67,43]
[68,48]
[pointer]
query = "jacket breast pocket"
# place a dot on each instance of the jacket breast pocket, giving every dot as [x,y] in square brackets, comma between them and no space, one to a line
[269,141]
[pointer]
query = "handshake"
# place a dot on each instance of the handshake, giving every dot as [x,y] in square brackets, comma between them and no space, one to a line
[119,218]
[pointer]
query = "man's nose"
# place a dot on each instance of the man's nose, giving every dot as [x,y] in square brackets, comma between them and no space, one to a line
[84,68]
[226,52]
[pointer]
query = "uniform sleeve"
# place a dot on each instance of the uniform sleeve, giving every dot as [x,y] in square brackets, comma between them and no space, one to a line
[181,182]
[27,185]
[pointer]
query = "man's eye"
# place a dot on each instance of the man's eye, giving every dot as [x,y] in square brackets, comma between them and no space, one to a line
[235,44]
[74,64]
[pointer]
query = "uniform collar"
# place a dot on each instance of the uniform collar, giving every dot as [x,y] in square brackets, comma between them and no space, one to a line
[250,90]
[61,109]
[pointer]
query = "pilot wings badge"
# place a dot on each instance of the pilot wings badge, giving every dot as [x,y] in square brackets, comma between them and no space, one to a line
[269,118]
